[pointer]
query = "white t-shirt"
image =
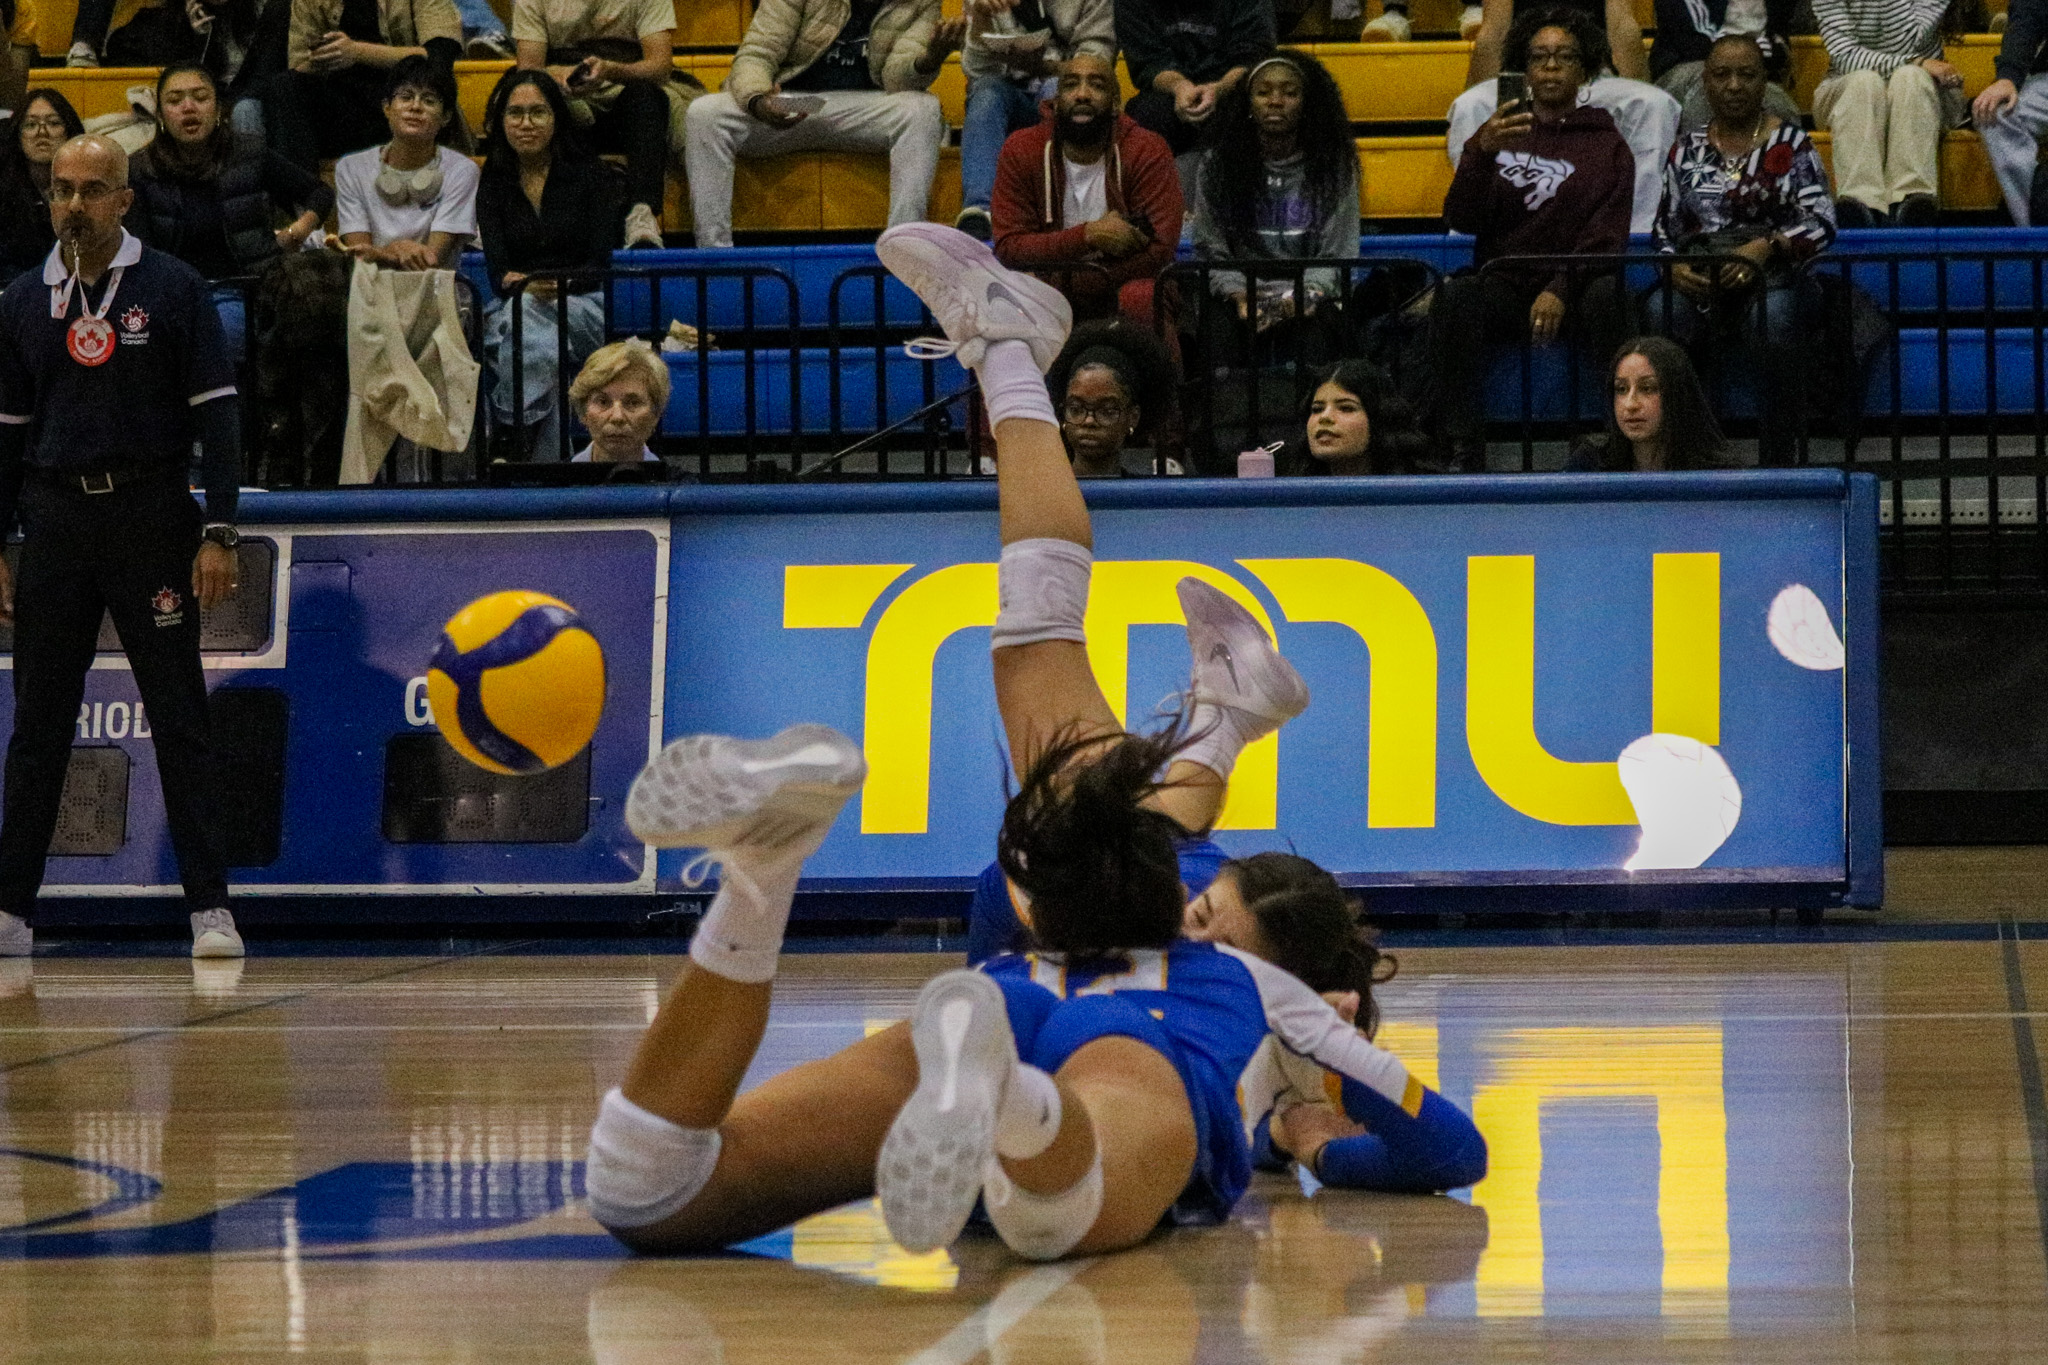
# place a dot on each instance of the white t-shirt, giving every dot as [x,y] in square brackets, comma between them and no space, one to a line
[1087,193]
[359,208]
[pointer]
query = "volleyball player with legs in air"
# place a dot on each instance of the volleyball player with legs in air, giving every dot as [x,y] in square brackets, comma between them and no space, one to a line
[1082,1118]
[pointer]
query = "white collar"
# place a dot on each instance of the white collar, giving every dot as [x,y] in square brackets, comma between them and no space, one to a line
[55,272]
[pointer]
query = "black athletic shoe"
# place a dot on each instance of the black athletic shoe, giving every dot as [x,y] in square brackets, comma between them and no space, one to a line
[1853,213]
[976,224]
[1917,211]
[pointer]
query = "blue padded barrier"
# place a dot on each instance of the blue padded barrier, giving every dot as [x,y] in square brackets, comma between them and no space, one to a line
[857,380]
[813,268]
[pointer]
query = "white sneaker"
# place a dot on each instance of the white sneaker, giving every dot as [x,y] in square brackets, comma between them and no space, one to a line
[489,47]
[213,934]
[943,1143]
[1235,664]
[1391,27]
[81,54]
[643,227]
[1469,22]
[17,939]
[974,297]
[774,797]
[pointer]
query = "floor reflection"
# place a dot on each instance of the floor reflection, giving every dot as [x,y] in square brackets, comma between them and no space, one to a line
[389,1168]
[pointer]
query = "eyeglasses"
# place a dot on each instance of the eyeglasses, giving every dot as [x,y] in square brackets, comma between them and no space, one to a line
[1096,414]
[425,99]
[61,194]
[530,113]
[1553,56]
[42,125]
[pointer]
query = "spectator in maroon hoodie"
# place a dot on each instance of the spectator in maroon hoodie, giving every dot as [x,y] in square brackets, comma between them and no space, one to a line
[1545,178]
[1089,188]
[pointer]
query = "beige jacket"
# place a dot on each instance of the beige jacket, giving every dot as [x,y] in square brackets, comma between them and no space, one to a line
[410,372]
[404,23]
[788,35]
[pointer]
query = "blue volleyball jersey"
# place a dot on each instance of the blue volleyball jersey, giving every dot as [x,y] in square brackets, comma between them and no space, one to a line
[1217,1007]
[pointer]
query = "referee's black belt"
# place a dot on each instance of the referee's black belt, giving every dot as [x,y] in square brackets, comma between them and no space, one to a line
[104,480]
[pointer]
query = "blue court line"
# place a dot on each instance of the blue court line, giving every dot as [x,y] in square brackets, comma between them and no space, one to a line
[2029,1057]
[131,1188]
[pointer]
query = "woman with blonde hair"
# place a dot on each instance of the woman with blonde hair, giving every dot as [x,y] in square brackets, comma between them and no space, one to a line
[620,393]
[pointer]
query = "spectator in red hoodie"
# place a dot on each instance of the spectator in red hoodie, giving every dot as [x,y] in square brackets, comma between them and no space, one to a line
[1088,187]
[1544,178]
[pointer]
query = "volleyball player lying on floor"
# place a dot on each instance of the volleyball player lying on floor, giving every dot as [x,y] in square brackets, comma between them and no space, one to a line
[1300,920]
[1083,1093]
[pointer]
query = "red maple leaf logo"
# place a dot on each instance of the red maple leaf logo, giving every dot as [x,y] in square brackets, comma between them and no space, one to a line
[165,601]
[134,320]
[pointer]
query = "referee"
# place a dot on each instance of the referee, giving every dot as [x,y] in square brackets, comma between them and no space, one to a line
[111,365]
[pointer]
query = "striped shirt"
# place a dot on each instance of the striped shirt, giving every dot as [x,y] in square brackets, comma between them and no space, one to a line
[1879,35]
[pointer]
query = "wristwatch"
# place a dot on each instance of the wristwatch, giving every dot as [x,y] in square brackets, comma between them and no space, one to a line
[223,535]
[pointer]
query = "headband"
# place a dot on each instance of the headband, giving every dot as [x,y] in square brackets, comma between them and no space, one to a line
[1275,60]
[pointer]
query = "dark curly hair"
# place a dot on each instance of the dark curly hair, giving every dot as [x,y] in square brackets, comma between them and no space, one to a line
[1234,170]
[1098,865]
[1311,928]
[1595,56]
[1143,367]
[1395,437]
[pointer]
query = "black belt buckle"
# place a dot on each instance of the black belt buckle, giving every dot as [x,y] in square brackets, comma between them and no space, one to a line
[87,482]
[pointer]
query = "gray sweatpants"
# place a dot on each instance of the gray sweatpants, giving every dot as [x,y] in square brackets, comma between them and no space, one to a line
[907,126]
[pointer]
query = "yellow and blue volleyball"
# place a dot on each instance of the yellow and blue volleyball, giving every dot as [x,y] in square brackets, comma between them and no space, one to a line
[517,684]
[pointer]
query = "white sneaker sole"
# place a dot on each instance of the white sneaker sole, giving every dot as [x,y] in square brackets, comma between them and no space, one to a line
[214,943]
[935,260]
[712,791]
[937,1153]
[1268,687]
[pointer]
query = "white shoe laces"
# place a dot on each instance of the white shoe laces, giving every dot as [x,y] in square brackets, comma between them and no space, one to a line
[930,348]
[698,870]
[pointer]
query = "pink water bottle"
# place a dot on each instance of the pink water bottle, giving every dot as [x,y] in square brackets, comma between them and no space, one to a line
[1257,464]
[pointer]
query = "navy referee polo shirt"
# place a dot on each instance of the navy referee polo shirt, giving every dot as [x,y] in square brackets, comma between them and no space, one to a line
[109,383]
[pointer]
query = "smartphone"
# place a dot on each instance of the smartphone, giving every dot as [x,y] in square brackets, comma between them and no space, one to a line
[1512,88]
[802,104]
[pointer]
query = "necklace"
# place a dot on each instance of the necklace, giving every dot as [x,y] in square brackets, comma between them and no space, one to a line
[1731,166]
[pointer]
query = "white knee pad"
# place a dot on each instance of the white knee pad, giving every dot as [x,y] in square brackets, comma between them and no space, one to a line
[1043,589]
[1045,1227]
[642,1168]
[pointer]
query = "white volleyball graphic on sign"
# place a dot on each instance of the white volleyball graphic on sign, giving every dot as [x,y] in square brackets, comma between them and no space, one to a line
[1686,800]
[1800,629]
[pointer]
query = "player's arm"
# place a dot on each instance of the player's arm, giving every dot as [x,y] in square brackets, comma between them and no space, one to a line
[1417,1140]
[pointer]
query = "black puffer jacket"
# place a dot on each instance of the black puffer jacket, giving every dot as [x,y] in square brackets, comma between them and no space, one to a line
[222,224]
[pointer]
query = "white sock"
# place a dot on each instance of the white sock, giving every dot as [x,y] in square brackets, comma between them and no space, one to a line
[1012,386]
[1030,1115]
[1221,734]
[740,936]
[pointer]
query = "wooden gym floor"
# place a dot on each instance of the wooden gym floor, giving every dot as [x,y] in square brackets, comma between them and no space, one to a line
[1751,1145]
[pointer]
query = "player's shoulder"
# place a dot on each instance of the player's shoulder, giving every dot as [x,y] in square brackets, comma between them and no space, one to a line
[458,170]
[1193,960]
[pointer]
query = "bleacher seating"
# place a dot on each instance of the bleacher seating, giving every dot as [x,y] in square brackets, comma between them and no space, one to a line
[1403,176]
